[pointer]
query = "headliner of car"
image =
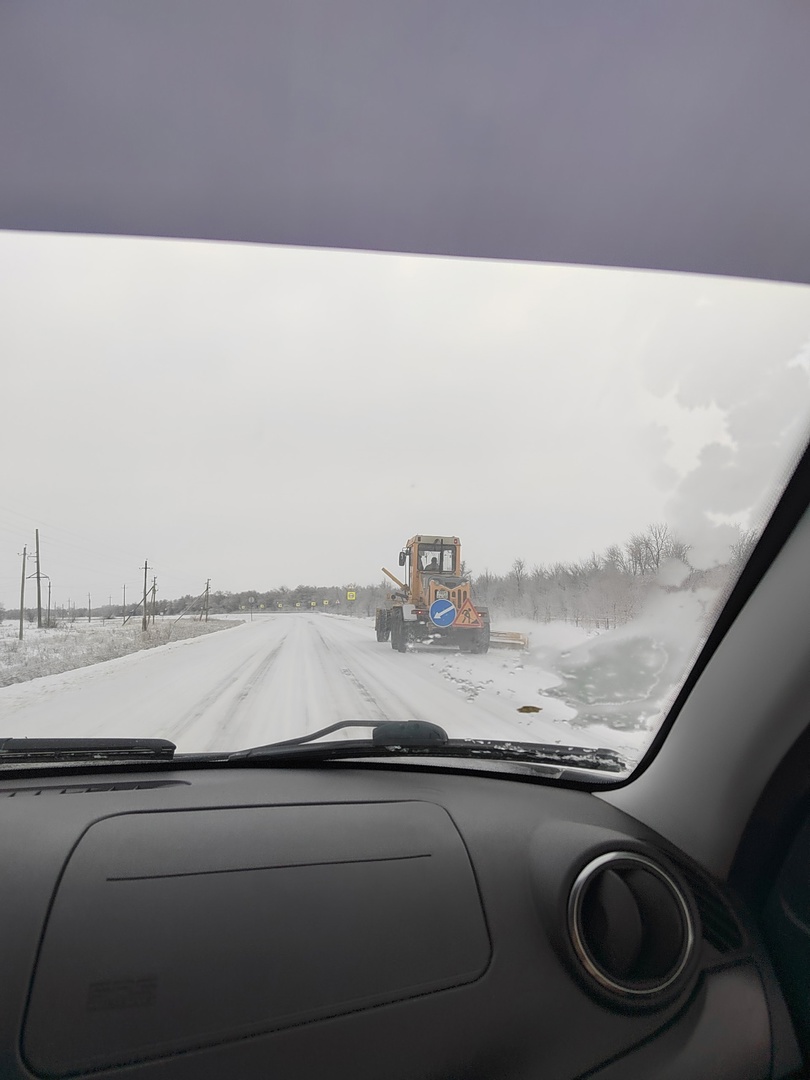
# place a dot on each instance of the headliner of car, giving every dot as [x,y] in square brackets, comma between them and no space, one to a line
[647,134]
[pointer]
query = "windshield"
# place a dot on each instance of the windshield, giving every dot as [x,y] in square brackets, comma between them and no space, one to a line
[436,558]
[213,450]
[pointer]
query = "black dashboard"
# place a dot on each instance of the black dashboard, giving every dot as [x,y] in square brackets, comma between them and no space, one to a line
[365,922]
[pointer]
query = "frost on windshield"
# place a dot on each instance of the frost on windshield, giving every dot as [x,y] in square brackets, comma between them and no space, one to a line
[646,605]
[618,630]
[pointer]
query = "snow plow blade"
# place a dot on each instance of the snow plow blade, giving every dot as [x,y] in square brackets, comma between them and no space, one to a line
[506,639]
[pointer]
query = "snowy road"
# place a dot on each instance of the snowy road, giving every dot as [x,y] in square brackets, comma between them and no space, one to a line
[284,675]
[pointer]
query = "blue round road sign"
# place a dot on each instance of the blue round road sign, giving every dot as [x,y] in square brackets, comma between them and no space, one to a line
[442,613]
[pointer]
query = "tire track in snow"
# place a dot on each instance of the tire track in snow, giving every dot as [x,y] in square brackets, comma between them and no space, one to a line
[330,650]
[364,692]
[251,683]
[213,696]
[412,686]
[353,678]
[349,656]
[304,691]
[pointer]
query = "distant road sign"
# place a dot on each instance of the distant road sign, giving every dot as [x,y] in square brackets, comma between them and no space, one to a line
[442,612]
[312,603]
[351,595]
[326,603]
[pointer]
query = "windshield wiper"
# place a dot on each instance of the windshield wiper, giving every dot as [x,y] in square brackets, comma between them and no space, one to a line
[14,750]
[415,738]
[383,731]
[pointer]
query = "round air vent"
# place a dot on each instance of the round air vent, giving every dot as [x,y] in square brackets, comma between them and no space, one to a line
[632,927]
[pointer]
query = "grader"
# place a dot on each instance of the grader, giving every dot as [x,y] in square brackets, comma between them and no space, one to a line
[434,603]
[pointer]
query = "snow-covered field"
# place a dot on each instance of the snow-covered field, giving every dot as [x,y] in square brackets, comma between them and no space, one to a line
[78,644]
[283,675]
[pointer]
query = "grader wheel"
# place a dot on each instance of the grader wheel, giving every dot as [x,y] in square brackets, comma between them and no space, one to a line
[399,632]
[382,624]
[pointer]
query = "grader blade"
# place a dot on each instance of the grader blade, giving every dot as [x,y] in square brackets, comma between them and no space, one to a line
[507,639]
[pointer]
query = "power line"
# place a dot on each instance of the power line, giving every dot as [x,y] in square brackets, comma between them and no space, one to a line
[88,544]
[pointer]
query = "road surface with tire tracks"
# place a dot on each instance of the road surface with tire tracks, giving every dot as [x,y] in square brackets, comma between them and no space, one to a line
[285,675]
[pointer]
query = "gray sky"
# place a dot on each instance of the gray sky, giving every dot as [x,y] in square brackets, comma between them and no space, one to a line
[271,416]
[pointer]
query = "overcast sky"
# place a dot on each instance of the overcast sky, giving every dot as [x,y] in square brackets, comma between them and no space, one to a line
[270,416]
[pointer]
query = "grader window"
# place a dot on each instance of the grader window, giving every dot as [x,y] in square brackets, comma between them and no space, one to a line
[436,558]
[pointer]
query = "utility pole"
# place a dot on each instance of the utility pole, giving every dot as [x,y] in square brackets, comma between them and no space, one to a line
[154,599]
[22,593]
[125,603]
[49,603]
[207,590]
[145,620]
[89,609]
[39,591]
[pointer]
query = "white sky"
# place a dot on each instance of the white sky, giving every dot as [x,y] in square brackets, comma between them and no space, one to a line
[267,416]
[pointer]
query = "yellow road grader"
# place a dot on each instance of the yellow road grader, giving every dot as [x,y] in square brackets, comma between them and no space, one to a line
[434,603]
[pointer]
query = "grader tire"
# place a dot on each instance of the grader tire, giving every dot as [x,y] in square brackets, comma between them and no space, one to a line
[382,624]
[481,640]
[399,639]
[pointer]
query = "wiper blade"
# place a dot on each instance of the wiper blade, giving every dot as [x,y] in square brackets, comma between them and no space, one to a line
[403,731]
[415,738]
[83,749]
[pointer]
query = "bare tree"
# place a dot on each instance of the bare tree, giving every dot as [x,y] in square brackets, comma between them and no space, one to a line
[679,550]
[518,573]
[657,542]
[636,554]
[644,552]
[616,558]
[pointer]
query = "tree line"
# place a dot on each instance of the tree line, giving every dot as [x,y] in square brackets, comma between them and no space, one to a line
[608,589]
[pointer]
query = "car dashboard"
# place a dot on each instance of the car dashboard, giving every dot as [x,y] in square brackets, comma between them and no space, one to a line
[363,921]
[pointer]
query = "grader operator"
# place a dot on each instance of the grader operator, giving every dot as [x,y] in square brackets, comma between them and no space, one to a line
[434,604]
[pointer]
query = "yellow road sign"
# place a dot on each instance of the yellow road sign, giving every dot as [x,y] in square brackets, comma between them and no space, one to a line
[351,595]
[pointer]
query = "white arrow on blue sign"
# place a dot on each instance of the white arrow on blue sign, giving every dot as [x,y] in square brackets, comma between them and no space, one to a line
[442,613]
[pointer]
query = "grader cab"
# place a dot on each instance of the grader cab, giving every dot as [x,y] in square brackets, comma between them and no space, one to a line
[434,603]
